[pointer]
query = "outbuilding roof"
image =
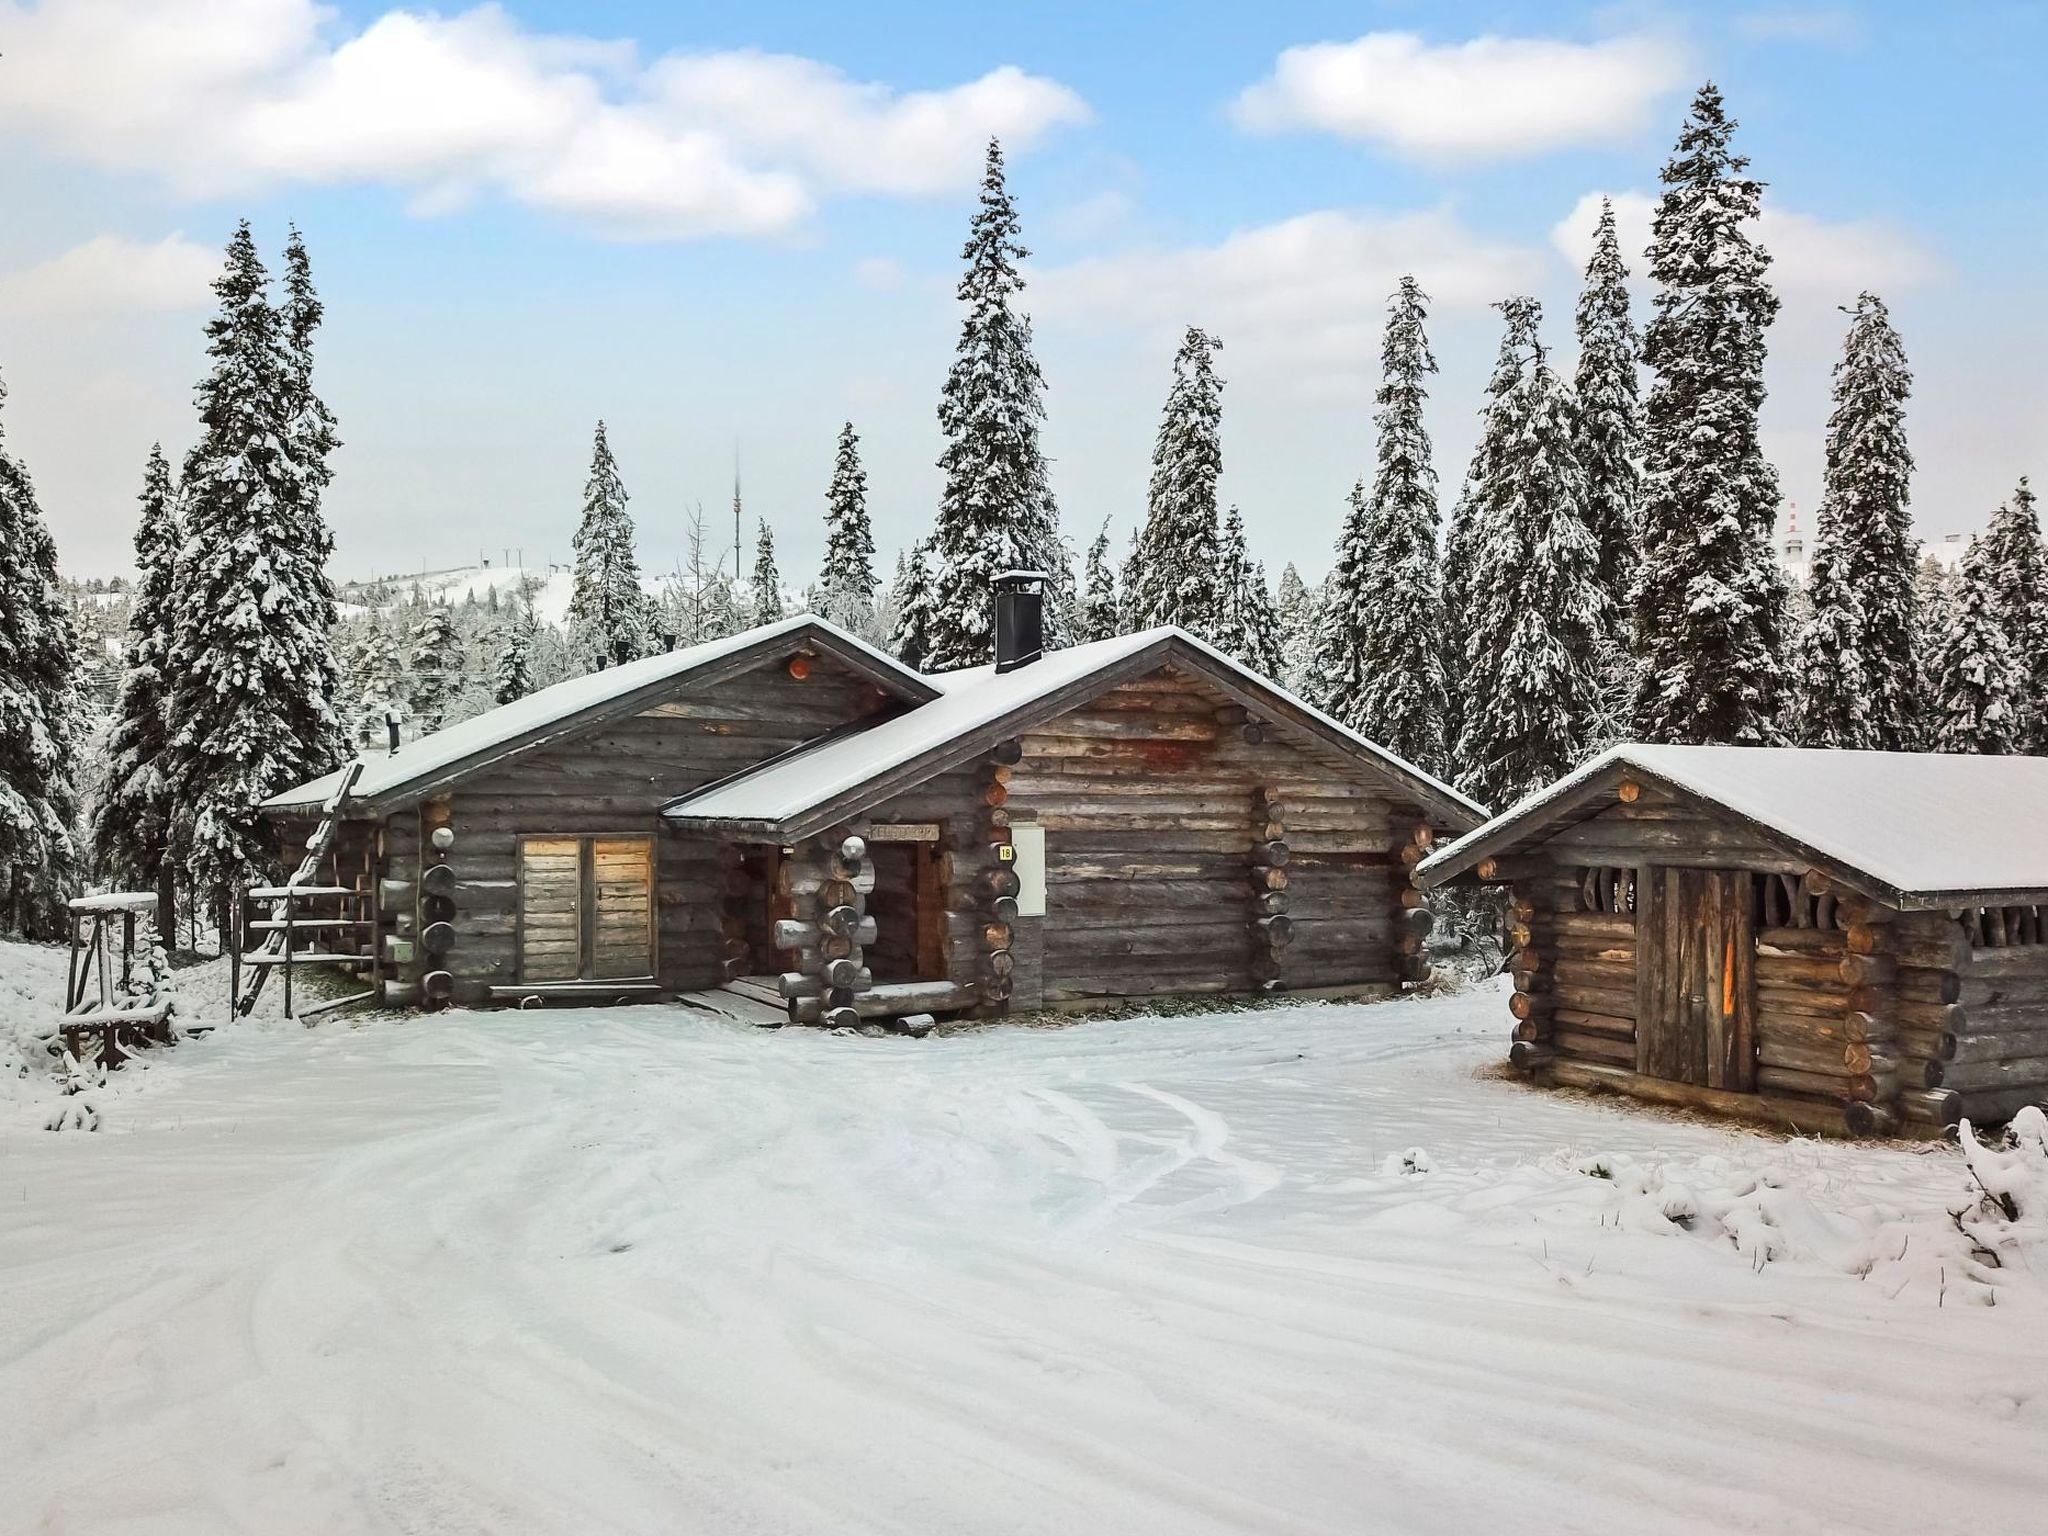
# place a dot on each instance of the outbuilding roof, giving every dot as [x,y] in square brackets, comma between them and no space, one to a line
[978,707]
[1922,829]
[423,764]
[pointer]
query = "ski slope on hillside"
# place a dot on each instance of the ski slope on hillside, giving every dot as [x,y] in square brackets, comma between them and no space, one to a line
[1309,1269]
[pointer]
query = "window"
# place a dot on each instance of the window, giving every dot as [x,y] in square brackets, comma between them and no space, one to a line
[586,908]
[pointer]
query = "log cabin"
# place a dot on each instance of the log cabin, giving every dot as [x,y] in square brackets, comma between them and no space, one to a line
[1828,940]
[794,813]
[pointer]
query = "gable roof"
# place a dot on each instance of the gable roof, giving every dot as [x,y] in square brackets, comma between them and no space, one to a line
[1918,829]
[440,757]
[814,787]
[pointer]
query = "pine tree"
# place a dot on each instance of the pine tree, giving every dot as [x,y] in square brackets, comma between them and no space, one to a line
[1537,609]
[132,824]
[1174,573]
[1610,429]
[996,512]
[2016,568]
[1099,615]
[767,582]
[1246,626]
[435,667]
[1832,703]
[1709,609]
[1976,680]
[38,663]
[847,587]
[251,664]
[1381,658]
[915,600]
[1298,611]
[1865,507]
[511,674]
[609,616]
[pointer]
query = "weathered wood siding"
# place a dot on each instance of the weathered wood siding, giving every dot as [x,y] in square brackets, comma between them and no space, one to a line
[613,778]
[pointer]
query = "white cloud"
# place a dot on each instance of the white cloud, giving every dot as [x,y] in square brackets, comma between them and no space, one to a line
[233,94]
[1492,97]
[1801,24]
[1309,290]
[109,273]
[1810,257]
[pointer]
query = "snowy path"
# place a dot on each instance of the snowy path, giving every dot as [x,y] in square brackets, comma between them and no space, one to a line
[634,1271]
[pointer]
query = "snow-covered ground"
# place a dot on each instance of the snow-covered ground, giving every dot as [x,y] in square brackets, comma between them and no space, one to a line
[1314,1269]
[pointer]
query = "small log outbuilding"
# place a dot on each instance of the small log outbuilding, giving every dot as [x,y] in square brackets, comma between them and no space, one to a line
[1830,940]
[795,813]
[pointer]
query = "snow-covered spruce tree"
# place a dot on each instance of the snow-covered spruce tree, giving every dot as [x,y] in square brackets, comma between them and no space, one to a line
[434,668]
[1977,683]
[1868,489]
[251,660]
[309,424]
[767,583]
[1382,659]
[1174,575]
[609,616]
[378,669]
[996,512]
[131,828]
[1537,610]
[1610,428]
[38,661]
[847,585]
[1298,610]
[1098,614]
[511,667]
[1246,626]
[915,600]
[1707,631]
[2016,567]
[1468,517]
[1831,701]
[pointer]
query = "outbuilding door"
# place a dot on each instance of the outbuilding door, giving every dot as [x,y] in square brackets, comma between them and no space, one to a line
[1696,978]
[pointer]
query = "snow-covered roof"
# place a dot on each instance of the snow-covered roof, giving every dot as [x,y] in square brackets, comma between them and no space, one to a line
[976,699]
[1924,826]
[518,723]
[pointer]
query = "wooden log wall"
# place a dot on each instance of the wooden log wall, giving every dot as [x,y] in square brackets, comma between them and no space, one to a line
[1972,1014]
[1156,797]
[825,882]
[614,778]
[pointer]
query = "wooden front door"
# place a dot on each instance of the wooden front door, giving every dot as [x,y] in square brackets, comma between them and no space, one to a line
[586,908]
[1695,978]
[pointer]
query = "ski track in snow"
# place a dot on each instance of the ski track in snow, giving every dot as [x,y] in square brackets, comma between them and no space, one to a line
[639,1271]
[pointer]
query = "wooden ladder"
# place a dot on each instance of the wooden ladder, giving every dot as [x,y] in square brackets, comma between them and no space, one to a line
[287,919]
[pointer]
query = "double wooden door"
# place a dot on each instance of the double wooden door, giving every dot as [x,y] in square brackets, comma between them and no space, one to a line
[586,908]
[1696,978]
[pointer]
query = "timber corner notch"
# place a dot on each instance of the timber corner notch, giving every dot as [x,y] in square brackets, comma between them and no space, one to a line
[1797,936]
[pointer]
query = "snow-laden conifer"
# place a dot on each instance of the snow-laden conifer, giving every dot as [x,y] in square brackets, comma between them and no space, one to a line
[131,830]
[609,615]
[915,600]
[1976,680]
[1298,610]
[1174,574]
[1098,613]
[38,663]
[1707,631]
[1610,429]
[1831,699]
[2016,570]
[1536,609]
[512,666]
[1246,626]
[766,586]
[1380,662]
[378,674]
[251,663]
[1865,507]
[996,512]
[847,585]
[434,668]
[312,433]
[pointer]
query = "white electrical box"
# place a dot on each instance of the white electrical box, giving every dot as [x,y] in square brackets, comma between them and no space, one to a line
[1029,840]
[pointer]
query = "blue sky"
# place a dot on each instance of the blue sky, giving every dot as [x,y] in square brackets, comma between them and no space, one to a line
[726,230]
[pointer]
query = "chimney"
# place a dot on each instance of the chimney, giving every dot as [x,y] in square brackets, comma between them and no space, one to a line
[391,727]
[1020,619]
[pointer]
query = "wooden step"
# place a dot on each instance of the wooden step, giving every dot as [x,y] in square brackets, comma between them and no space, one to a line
[300,924]
[300,892]
[305,957]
